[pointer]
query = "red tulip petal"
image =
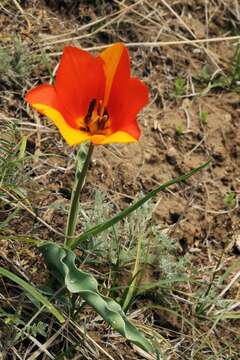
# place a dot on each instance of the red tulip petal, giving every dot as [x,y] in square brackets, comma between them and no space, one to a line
[42,94]
[43,98]
[116,67]
[79,79]
[72,136]
[124,106]
[124,96]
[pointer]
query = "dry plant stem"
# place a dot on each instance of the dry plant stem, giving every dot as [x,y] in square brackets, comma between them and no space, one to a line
[74,207]
[23,14]
[155,44]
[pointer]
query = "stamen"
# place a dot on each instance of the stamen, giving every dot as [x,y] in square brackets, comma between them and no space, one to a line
[99,108]
[101,122]
[96,119]
[91,107]
[85,129]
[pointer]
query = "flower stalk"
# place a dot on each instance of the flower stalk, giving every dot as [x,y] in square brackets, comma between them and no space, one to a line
[81,172]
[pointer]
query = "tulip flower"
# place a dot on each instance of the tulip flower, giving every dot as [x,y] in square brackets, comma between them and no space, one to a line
[93,98]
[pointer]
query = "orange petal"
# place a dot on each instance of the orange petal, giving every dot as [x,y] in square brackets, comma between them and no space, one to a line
[116,63]
[72,136]
[79,79]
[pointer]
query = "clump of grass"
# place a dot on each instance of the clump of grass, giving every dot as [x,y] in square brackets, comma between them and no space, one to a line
[12,152]
[180,130]
[8,160]
[136,239]
[230,200]
[12,155]
[231,80]
[16,63]
[180,87]
[203,116]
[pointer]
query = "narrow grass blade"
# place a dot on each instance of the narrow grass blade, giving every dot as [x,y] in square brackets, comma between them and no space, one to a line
[101,227]
[46,62]
[233,315]
[34,293]
[22,148]
[61,262]
[134,280]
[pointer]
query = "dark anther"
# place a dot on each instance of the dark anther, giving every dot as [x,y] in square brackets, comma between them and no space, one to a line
[91,107]
[99,109]
[102,121]
[86,129]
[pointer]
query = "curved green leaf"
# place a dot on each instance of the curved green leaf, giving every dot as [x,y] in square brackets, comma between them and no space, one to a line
[61,262]
[33,292]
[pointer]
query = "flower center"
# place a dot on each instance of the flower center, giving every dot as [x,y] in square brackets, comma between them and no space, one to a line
[96,121]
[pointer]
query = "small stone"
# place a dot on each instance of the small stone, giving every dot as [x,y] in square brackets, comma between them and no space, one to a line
[171,156]
[237,244]
[151,159]
[171,159]
[218,157]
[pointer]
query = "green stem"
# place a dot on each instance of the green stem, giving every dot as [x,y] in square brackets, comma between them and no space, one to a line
[74,207]
[134,280]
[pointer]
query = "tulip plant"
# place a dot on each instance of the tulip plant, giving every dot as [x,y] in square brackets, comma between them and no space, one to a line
[94,100]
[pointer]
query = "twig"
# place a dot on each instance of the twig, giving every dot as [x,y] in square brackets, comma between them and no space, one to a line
[162,43]
[23,14]
[229,285]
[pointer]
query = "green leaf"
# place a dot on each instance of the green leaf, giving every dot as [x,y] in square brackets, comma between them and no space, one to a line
[61,262]
[230,200]
[101,227]
[38,328]
[180,86]
[33,292]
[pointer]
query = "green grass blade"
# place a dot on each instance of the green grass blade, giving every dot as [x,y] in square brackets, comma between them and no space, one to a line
[61,262]
[22,148]
[228,315]
[101,227]
[33,292]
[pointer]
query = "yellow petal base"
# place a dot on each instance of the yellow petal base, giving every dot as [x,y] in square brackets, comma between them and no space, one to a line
[73,136]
